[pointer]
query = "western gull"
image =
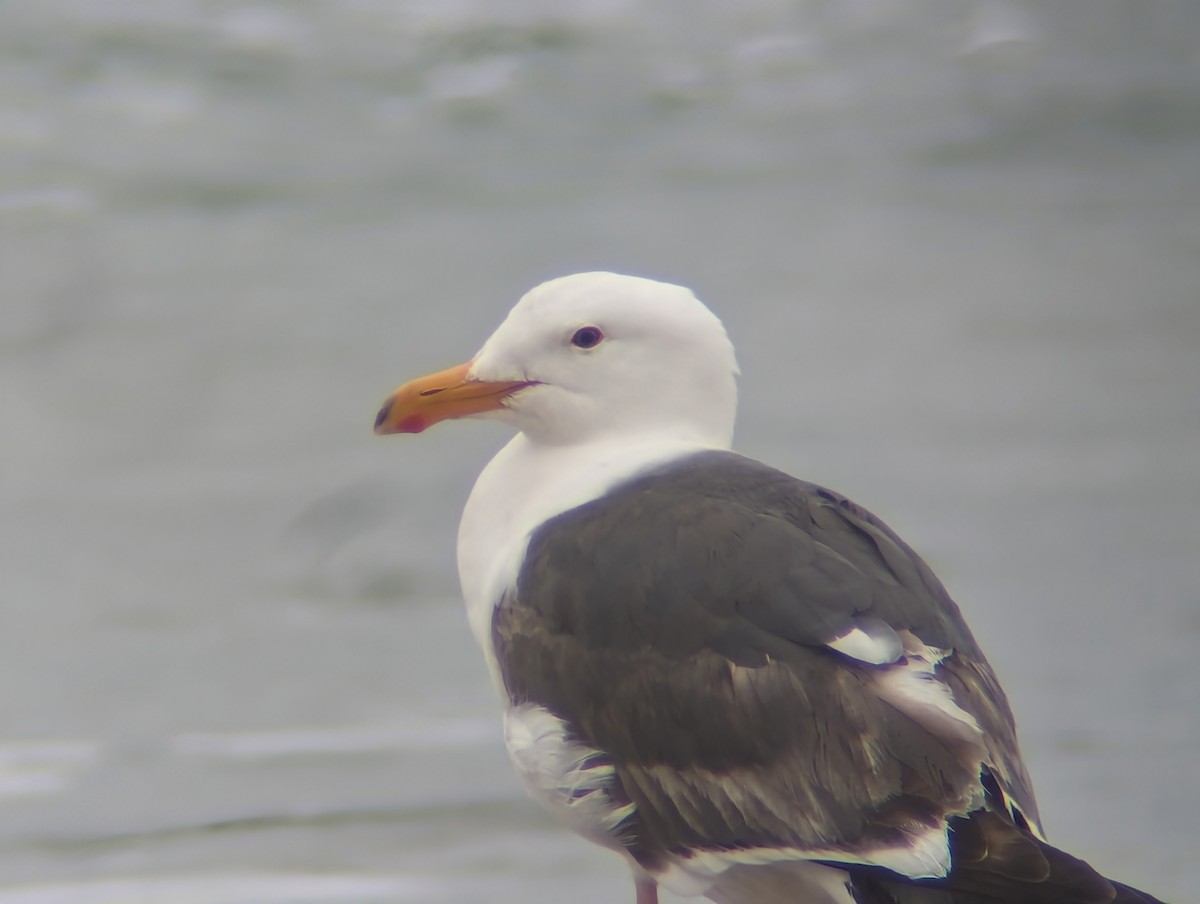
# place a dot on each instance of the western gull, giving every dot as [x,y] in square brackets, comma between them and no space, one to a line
[745,684]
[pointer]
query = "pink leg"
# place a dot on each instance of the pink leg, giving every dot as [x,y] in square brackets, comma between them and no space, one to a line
[647,891]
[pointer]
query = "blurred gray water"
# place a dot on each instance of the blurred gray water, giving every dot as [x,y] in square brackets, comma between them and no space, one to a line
[956,243]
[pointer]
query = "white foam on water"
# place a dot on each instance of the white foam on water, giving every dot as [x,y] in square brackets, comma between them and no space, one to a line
[45,766]
[249,888]
[383,738]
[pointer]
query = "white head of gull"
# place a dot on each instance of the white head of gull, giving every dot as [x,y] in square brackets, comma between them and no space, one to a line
[603,375]
[745,684]
[613,358]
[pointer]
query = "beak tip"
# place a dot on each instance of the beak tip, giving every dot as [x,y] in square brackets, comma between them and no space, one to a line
[451,393]
[414,423]
[382,417]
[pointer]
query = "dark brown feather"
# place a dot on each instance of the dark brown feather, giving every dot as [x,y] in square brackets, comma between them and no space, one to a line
[680,624]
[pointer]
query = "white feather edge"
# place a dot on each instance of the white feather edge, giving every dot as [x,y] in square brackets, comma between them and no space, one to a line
[926,857]
[877,646]
[915,689]
[571,781]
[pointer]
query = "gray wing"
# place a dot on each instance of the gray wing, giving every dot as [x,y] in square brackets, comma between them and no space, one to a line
[689,626]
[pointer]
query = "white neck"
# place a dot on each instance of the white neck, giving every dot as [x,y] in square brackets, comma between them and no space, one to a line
[524,485]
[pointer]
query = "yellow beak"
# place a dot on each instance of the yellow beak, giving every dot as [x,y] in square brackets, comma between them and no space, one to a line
[423,402]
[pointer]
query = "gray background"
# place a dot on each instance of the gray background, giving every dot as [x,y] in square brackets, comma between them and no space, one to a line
[957,245]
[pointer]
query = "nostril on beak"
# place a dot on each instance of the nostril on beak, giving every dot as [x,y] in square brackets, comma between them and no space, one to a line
[428,392]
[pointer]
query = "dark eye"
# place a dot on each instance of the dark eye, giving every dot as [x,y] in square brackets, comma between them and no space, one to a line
[587,337]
